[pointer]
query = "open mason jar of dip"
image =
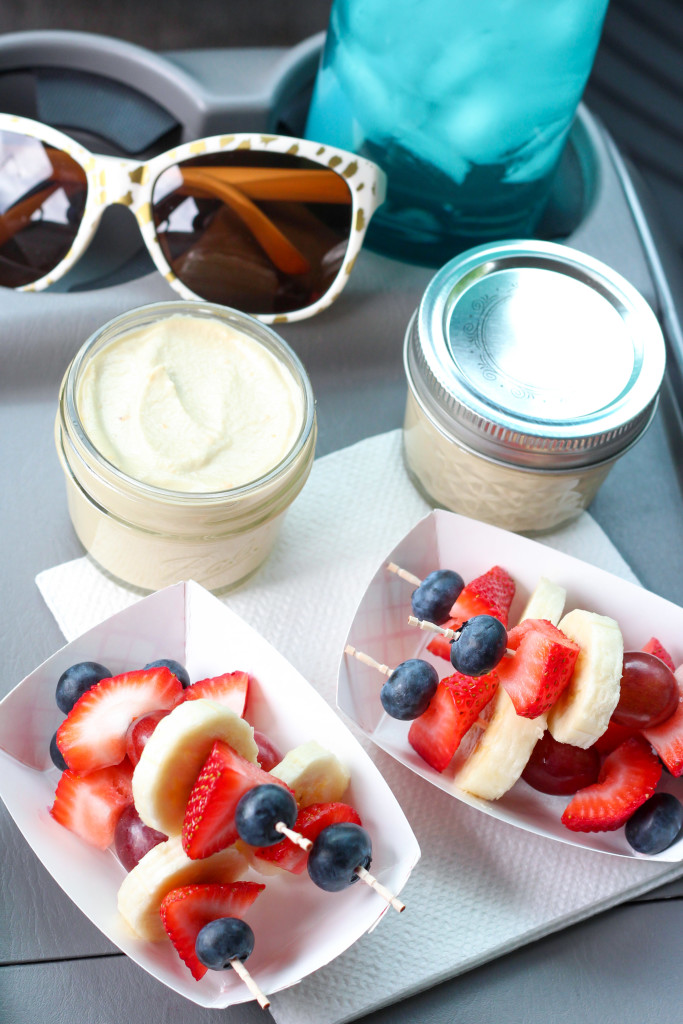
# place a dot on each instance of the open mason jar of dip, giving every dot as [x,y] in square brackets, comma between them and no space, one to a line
[531,369]
[185,430]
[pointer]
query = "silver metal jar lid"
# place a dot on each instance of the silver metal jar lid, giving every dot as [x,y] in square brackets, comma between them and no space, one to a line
[535,354]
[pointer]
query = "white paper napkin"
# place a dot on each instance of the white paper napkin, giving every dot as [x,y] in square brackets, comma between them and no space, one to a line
[482,887]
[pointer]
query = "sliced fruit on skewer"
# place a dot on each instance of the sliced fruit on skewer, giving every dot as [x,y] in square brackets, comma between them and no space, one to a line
[231,689]
[186,910]
[210,823]
[409,687]
[435,594]
[559,768]
[340,856]
[648,691]
[583,710]
[476,647]
[90,805]
[545,602]
[167,867]
[627,779]
[265,816]
[653,646]
[315,775]
[454,709]
[541,669]
[613,736]
[501,752]
[310,822]
[488,594]
[667,738]
[93,735]
[174,755]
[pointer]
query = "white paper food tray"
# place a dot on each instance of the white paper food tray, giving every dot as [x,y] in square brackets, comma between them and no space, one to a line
[298,927]
[380,628]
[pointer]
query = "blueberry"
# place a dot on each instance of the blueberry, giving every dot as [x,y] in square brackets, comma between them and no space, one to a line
[336,854]
[436,595]
[479,646]
[222,940]
[259,811]
[409,689]
[178,670]
[656,824]
[76,681]
[56,755]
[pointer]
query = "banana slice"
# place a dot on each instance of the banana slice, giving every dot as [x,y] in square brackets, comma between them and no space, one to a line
[315,775]
[502,751]
[582,712]
[166,867]
[174,755]
[545,602]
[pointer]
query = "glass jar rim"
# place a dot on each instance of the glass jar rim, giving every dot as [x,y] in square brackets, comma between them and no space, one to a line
[149,314]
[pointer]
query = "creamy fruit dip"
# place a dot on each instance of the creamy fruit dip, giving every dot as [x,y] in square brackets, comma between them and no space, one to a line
[190,404]
[185,430]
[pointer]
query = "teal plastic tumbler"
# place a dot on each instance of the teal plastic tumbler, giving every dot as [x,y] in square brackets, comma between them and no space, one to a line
[466,104]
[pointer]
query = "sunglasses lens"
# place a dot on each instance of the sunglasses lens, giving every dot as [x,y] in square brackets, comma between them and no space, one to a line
[42,198]
[261,232]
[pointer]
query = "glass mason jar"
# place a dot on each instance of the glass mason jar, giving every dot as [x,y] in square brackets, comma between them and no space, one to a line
[465,106]
[151,536]
[531,369]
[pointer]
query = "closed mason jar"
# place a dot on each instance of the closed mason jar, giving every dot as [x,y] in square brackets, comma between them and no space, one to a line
[531,369]
[151,536]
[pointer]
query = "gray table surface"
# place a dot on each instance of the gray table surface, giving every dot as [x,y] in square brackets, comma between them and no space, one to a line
[618,968]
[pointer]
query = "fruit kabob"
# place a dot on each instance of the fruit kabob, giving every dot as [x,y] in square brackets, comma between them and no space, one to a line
[158,766]
[564,732]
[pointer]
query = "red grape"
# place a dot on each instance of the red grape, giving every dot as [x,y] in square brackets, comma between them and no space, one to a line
[139,731]
[133,839]
[268,754]
[649,691]
[560,768]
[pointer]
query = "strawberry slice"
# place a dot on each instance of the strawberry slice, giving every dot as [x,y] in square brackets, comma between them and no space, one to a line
[186,910]
[490,594]
[230,689]
[541,668]
[613,736]
[209,822]
[453,709]
[667,738]
[310,822]
[93,735]
[627,779]
[653,646]
[90,805]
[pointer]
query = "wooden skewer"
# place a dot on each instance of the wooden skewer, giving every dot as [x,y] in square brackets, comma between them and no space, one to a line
[294,837]
[240,969]
[404,574]
[370,880]
[367,660]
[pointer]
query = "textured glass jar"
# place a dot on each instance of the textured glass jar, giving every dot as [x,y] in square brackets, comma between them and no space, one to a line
[531,368]
[150,536]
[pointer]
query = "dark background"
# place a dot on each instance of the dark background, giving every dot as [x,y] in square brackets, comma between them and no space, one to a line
[636,87]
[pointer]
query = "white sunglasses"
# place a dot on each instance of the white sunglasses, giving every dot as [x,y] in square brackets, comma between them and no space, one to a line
[266,224]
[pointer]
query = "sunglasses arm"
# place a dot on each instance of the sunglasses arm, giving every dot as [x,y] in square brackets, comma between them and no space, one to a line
[284,255]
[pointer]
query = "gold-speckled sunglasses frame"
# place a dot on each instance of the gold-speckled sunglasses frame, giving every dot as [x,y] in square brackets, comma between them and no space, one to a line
[114,180]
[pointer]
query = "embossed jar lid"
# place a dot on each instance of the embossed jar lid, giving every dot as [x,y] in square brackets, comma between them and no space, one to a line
[535,354]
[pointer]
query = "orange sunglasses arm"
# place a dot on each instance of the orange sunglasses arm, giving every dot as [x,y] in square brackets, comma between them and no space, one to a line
[295,185]
[17,217]
[284,255]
